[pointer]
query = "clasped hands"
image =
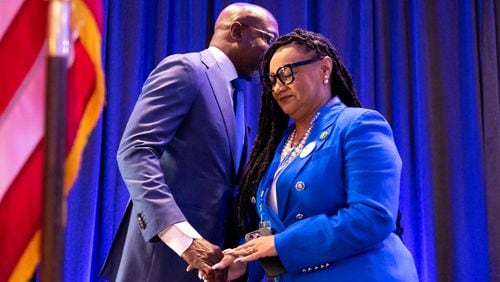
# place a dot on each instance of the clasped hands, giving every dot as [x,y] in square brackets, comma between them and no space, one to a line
[215,265]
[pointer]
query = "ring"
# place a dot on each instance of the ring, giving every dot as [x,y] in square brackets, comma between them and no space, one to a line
[251,250]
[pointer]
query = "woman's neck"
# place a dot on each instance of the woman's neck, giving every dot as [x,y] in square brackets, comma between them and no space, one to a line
[302,124]
[300,130]
[303,128]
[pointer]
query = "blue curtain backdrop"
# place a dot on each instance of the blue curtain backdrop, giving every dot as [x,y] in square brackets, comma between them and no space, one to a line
[430,67]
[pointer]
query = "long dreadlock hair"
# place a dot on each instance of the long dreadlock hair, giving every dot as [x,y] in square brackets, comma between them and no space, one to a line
[273,121]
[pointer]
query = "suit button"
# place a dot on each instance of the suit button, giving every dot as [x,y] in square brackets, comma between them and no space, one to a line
[140,221]
[300,186]
[299,216]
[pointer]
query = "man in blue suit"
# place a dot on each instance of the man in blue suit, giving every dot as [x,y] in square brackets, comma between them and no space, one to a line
[179,155]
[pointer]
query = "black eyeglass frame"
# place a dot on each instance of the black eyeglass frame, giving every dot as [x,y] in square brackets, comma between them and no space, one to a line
[270,80]
[270,38]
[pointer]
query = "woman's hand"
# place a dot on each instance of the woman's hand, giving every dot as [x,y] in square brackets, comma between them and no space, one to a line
[234,269]
[236,259]
[254,249]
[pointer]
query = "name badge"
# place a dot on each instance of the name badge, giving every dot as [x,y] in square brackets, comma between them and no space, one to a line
[307,149]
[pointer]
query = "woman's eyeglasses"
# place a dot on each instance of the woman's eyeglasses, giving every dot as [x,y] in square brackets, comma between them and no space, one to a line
[285,73]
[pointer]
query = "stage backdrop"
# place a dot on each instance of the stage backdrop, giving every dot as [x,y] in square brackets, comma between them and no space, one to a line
[430,67]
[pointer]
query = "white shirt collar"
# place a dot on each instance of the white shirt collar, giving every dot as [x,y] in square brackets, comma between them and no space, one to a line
[224,63]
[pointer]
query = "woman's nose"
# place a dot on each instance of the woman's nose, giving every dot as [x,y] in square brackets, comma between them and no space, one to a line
[278,86]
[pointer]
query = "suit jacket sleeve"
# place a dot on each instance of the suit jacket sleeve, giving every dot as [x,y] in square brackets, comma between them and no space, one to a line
[166,98]
[372,169]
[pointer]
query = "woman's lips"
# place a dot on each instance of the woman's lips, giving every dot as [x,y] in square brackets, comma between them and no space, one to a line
[285,98]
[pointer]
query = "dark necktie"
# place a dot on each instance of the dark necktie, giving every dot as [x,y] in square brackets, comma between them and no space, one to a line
[239,114]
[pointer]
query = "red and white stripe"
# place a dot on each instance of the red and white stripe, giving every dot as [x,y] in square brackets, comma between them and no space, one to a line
[22,116]
[22,123]
[7,13]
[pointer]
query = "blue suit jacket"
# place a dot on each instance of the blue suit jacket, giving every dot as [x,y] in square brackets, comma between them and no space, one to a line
[337,205]
[176,158]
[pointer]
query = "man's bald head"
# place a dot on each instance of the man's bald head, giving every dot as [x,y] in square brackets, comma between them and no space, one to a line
[244,32]
[243,12]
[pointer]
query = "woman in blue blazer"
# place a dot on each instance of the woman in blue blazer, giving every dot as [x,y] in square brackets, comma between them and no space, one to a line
[327,182]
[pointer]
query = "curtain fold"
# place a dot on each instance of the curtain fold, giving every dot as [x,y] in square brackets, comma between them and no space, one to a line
[489,115]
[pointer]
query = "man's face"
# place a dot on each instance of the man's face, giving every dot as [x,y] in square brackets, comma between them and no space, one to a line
[256,37]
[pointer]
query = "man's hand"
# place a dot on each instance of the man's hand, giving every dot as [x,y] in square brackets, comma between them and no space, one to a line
[234,269]
[202,255]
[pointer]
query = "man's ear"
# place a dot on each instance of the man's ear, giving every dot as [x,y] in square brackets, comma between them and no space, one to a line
[235,31]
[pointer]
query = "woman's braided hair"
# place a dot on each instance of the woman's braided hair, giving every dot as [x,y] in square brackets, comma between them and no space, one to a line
[273,121]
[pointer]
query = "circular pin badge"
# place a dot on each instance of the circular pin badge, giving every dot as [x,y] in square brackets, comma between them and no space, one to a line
[307,149]
[323,135]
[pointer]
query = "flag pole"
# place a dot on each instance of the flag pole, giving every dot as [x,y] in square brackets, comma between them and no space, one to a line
[54,203]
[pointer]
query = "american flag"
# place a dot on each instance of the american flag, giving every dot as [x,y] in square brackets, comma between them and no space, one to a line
[23,73]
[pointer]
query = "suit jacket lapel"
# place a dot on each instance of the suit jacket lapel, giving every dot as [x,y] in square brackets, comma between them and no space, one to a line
[221,93]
